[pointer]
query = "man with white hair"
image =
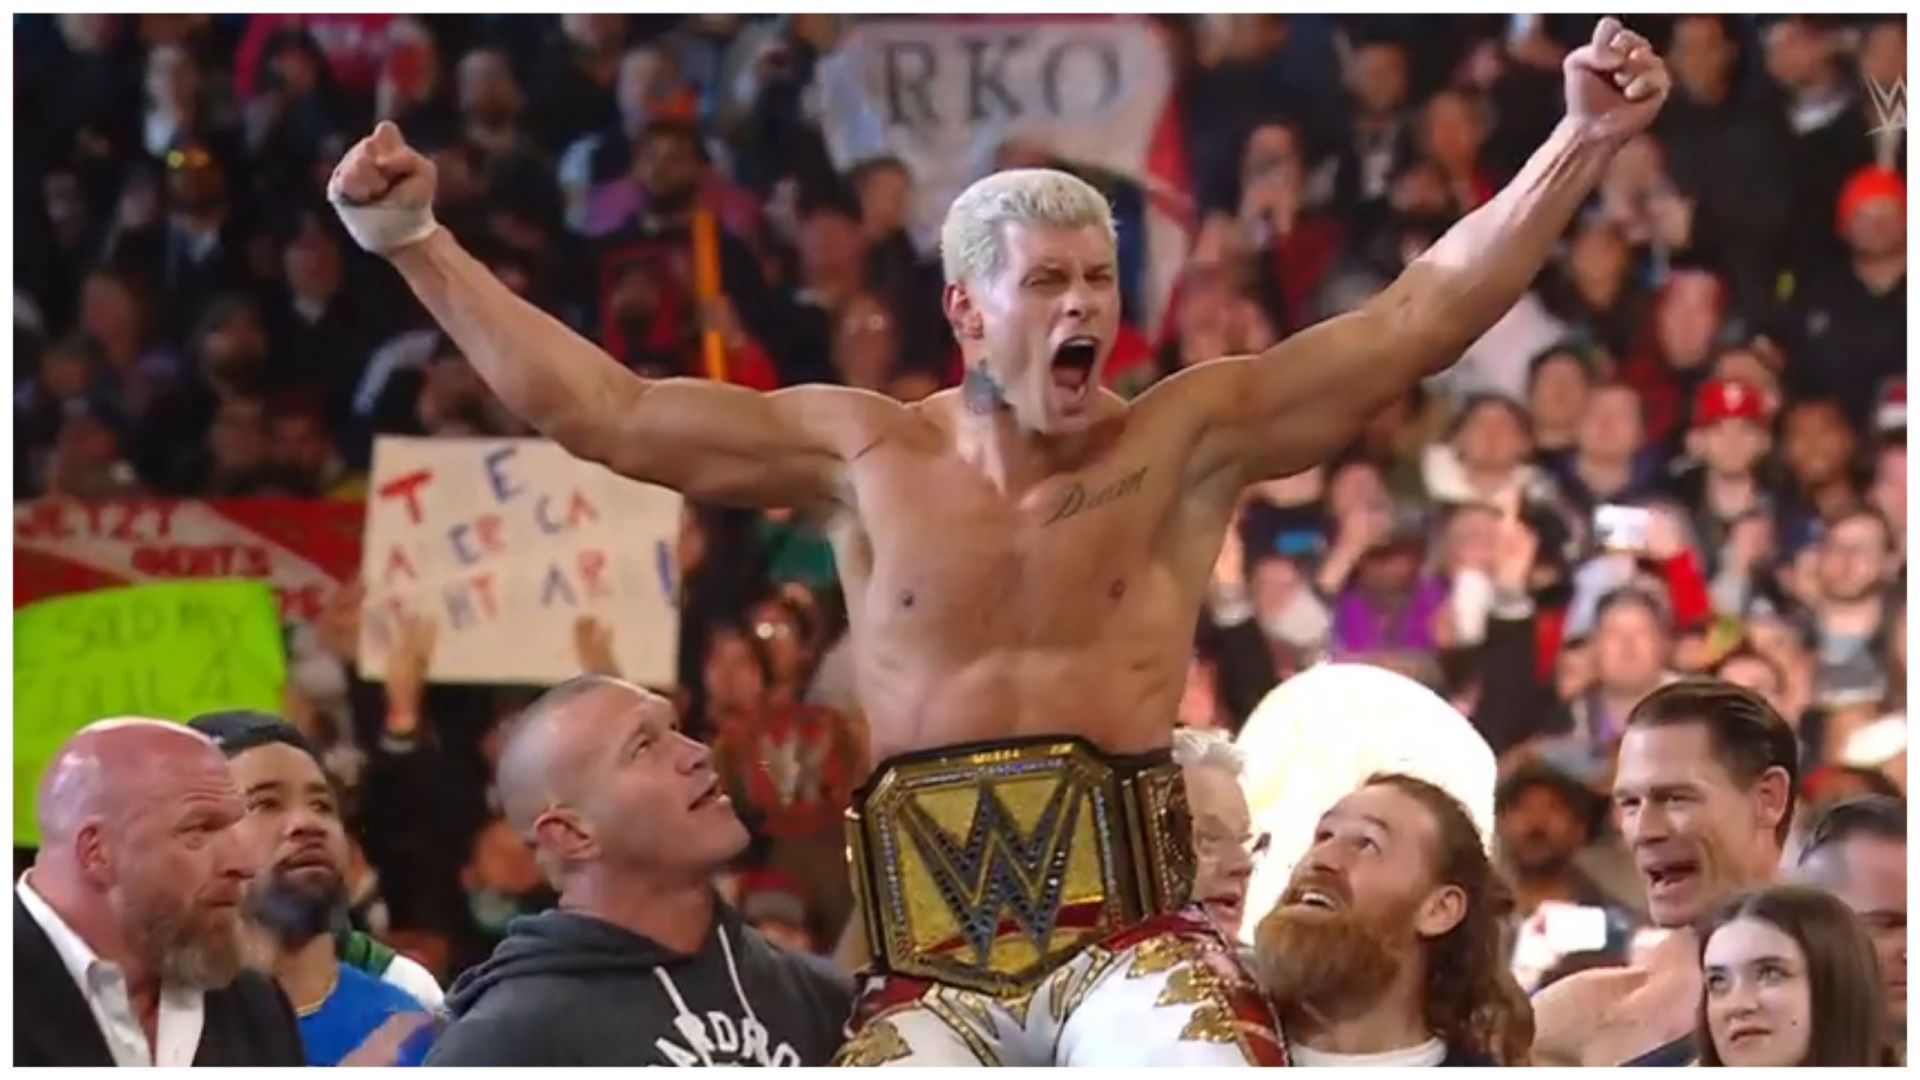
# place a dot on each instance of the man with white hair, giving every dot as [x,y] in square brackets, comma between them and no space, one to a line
[1025,560]
[1224,842]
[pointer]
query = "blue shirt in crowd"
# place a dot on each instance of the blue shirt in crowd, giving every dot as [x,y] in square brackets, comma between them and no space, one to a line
[359,1004]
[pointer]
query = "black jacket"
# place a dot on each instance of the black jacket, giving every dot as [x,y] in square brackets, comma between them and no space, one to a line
[1515,705]
[568,989]
[247,1023]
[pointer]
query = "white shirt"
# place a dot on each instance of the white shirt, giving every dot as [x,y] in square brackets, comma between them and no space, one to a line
[415,980]
[1420,1055]
[104,985]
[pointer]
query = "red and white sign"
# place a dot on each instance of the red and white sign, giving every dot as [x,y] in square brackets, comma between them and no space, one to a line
[304,548]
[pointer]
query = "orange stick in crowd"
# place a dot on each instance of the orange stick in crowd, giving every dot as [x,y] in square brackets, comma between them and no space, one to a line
[706,288]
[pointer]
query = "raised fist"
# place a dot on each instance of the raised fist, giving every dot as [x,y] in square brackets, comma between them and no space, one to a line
[383,191]
[1615,83]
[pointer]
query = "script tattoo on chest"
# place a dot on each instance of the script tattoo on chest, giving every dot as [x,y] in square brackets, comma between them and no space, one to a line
[1079,500]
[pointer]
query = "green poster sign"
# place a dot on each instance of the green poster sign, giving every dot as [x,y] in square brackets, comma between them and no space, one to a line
[166,651]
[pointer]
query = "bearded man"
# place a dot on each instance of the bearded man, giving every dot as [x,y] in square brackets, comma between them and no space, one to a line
[292,828]
[1386,948]
[127,930]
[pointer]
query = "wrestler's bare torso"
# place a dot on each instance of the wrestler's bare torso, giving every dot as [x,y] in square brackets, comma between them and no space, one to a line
[1003,583]
[1063,607]
[1000,581]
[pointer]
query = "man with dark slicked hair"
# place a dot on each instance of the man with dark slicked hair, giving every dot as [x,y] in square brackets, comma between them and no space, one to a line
[1704,794]
[299,845]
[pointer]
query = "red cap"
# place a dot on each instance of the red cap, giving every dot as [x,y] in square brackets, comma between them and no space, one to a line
[1863,187]
[1728,399]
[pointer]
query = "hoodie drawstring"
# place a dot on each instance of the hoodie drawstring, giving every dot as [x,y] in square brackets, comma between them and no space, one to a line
[688,1024]
[733,972]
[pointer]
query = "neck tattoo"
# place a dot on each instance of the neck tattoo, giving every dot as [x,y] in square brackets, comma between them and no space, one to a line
[981,393]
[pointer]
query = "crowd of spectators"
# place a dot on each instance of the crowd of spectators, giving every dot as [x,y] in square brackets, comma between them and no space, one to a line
[1683,451]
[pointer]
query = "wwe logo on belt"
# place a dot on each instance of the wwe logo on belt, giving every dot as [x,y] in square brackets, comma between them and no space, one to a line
[1889,104]
[999,867]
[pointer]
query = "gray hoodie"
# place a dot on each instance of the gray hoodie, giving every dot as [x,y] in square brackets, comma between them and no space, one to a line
[568,989]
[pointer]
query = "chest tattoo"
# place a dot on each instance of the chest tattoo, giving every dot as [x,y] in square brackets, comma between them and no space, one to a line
[1081,499]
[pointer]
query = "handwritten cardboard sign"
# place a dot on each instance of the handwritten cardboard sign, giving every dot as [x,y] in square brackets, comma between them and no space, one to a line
[505,543]
[167,651]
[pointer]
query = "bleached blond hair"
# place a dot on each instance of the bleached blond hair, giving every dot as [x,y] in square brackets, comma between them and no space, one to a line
[973,238]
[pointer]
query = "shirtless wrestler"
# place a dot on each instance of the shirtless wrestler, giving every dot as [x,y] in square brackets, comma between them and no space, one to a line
[1704,794]
[1024,558]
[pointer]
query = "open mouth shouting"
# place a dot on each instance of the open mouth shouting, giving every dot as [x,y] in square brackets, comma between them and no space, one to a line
[1071,373]
[1668,878]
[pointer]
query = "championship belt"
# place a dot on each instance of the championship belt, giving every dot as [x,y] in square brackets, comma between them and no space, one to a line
[989,865]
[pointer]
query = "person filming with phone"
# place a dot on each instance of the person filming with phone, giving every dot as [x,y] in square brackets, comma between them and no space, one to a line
[1634,599]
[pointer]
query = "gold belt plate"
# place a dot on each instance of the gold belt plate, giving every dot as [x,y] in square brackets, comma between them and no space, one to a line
[989,868]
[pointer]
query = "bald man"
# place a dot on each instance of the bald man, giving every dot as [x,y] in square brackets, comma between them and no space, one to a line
[641,964]
[126,930]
